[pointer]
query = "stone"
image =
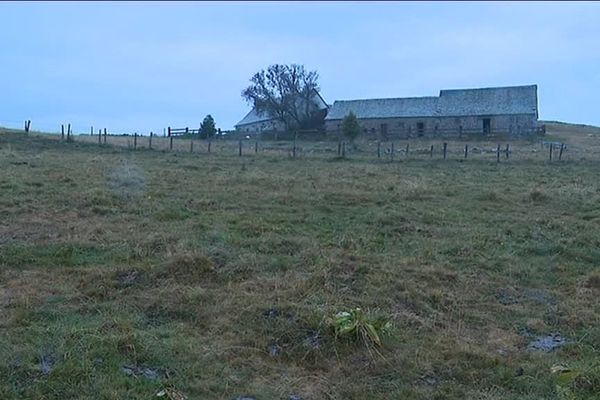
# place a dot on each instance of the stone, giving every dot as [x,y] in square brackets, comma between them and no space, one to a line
[547,343]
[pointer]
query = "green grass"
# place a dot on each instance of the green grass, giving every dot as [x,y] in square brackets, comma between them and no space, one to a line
[196,265]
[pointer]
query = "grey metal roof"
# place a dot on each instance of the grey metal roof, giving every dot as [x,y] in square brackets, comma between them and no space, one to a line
[253,116]
[455,102]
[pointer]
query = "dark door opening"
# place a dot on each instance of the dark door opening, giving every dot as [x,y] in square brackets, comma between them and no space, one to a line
[487,126]
[420,127]
[384,130]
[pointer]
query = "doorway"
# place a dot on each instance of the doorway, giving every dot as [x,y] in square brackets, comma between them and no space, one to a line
[487,125]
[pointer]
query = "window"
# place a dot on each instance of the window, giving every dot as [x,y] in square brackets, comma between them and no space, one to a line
[401,125]
[420,127]
[384,129]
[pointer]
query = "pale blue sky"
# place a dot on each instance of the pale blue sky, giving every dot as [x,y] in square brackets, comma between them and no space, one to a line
[143,66]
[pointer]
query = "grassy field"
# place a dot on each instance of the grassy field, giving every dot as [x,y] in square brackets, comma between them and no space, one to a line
[124,273]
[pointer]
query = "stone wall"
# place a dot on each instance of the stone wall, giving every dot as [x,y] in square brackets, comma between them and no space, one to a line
[415,127]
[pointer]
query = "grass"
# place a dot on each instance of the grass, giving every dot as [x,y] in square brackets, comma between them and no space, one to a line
[219,272]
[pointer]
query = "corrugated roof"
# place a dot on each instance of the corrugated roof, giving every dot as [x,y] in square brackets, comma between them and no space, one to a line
[455,102]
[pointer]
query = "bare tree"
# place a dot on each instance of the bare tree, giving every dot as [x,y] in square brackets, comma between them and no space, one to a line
[285,93]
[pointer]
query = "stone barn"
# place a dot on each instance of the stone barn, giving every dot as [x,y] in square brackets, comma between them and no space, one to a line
[512,110]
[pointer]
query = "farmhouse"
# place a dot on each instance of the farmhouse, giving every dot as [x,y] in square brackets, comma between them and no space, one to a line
[255,122]
[512,110]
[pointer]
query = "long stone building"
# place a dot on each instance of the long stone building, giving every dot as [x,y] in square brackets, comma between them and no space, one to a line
[512,110]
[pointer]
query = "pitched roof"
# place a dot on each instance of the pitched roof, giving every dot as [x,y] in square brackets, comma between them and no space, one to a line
[253,116]
[455,102]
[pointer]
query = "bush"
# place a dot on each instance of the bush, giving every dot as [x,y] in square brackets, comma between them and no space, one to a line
[358,326]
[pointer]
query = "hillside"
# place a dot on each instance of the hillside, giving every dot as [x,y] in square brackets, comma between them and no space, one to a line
[126,273]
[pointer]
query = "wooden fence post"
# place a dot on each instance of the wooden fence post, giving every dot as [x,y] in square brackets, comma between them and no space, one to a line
[507,150]
[62,132]
[498,153]
[431,152]
[445,147]
[191,145]
[150,141]
[187,130]
[407,147]
[135,140]
[551,151]
[378,149]
[68,132]
[256,146]
[27,125]
[466,151]
[104,135]
[169,131]
[209,141]
[344,149]
[392,151]
[170,140]
[91,131]
[240,148]
[562,145]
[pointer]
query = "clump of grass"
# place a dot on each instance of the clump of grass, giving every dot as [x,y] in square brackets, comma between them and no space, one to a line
[360,327]
[127,180]
[537,196]
[189,267]
[593,281]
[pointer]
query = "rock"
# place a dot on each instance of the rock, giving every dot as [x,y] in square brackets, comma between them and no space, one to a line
[313,340]
[128,277]
[273,350]
[46,363]
[539,296]
[295,397]
[137,371]
[271,313]
[547,343]
[504,297]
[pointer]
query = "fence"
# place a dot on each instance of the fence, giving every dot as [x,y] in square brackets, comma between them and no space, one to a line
[311,148]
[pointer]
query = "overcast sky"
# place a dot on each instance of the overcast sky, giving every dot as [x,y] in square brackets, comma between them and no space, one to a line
[143,66]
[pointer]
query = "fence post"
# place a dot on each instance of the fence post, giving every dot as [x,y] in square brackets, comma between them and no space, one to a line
[240,148]
[27,123]
[551,151]
[91,131]
[256,146]
[187,130]
[99,136]
[135,140]
[378,149]
[150,141]
[170,140]
[191,145]
[69,133]
[344,149]
[104,135]
[169,131]
[62,132]
[507,150]
[431,152]
[561,151]
[392,151]
[445,147]
[339,148]
[407,147]
[498,153]
[466,151]
[294,151]
[209,141]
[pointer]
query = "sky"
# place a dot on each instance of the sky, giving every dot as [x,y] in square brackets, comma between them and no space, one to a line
[143,66]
